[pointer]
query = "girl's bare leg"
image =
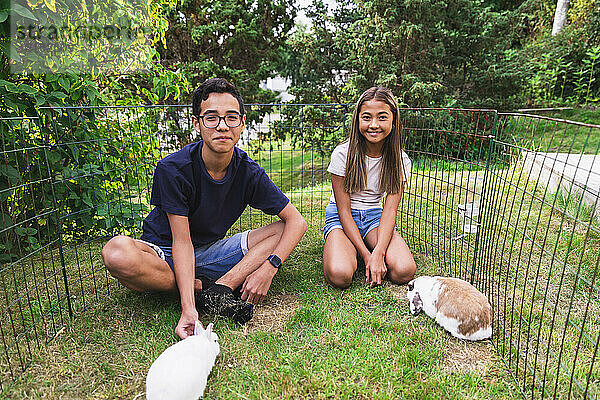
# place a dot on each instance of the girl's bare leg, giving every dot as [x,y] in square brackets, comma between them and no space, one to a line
[339,259]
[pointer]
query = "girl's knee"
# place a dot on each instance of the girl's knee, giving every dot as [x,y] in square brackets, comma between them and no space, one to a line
[340,281]
[340,278]
[402,273]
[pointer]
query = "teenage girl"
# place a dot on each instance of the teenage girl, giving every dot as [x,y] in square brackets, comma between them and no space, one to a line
[364,167]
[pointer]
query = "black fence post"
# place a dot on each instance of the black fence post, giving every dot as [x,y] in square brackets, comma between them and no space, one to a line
[63,264]
[484,188]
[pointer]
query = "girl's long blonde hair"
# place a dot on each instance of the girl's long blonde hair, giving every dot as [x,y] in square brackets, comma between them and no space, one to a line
[391,179]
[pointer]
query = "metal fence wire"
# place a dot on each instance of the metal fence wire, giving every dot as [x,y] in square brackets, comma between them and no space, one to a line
[506,201]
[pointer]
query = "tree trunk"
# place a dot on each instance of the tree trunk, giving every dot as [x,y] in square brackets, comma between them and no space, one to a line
[560,16]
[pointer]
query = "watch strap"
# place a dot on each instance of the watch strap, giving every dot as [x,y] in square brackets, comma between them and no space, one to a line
[275,260]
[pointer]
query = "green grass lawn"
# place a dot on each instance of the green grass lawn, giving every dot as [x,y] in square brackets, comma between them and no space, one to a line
[552,136]
[310,341]
[585,115]
[291,168]
[307,340]
[543,252]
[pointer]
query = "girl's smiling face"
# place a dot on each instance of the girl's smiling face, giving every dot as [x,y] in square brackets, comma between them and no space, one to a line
[375,122]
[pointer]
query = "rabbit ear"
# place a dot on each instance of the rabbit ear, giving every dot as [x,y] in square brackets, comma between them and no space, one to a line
[209,330]
[198,328]
[417,304]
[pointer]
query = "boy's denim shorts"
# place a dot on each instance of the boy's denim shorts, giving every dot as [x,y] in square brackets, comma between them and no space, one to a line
[212,260]
[366,220]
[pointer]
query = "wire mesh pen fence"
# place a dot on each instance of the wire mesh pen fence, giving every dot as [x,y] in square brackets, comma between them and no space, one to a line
[506,201]
[541,254]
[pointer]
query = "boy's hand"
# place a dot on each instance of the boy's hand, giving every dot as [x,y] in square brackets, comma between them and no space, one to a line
[257,284]
[187,321]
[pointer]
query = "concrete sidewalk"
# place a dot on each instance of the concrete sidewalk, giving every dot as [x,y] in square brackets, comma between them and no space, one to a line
[575,173]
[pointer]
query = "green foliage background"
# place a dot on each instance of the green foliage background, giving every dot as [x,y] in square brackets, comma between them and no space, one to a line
[68,173]
[240,40]
[464,53]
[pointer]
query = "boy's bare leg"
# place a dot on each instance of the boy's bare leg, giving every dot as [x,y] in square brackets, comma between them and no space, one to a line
[261,243]
[137,266]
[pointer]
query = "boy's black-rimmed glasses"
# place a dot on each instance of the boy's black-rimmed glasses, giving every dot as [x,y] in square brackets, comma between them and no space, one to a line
[210,121]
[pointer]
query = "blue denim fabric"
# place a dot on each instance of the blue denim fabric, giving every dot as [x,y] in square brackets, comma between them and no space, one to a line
[215,259]
[366,220]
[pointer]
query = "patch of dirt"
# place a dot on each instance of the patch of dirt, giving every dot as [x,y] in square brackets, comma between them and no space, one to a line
[398,292]
[464,356]
[274,313]
[567,225]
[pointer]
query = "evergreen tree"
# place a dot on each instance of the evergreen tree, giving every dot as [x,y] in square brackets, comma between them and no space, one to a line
[240,40]
[428,52]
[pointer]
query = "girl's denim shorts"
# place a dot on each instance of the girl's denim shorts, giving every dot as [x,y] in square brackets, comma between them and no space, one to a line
[366,220]
[212,260]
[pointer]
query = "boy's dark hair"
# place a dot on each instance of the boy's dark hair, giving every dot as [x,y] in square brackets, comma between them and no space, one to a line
[214,85]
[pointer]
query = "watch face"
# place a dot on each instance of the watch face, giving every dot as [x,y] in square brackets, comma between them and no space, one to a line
[275,260]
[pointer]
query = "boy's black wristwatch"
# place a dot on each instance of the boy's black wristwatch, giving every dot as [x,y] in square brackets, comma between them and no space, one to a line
[275,260]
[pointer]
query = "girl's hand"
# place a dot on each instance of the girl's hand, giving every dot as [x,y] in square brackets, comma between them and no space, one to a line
[375,268]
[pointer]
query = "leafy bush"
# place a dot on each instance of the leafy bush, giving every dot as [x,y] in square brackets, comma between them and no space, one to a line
[312,126]
[455,134]
[81,173]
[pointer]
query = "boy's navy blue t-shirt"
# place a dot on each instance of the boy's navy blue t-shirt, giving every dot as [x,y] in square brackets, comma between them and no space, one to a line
[183,186]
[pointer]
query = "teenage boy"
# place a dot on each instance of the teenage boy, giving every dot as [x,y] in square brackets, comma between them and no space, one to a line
[199,192]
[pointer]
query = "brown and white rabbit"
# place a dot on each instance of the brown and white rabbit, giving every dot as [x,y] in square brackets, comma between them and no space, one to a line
[181,371]
[454,304]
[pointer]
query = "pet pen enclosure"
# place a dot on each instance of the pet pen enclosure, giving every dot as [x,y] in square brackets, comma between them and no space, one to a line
[506,201]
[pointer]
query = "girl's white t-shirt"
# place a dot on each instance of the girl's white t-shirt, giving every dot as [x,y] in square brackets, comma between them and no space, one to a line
[370,197]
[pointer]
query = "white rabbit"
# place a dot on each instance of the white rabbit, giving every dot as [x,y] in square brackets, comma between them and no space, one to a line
[454,304]
[181,371]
